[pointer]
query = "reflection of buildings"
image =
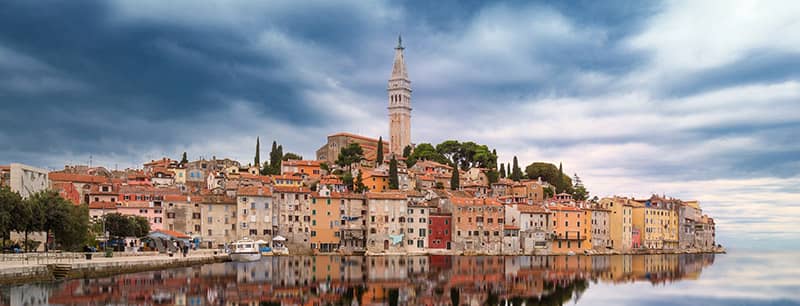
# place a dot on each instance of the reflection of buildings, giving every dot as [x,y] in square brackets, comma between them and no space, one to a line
[341,280]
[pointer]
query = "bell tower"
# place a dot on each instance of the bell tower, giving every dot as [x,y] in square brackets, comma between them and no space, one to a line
[399,91]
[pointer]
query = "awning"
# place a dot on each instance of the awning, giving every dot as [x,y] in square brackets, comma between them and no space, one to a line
[278,238]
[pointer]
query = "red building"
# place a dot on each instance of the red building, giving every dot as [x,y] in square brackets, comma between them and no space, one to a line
[636,238]
[440,226]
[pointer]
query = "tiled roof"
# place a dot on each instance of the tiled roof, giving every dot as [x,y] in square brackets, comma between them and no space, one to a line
[176,198]
[254,191]
[102,205]
[81,178]
[293,189]
[392,195]
[294,162]
[351,135]
[531,209]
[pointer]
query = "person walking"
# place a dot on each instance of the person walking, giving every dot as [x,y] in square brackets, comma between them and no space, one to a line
[185,250]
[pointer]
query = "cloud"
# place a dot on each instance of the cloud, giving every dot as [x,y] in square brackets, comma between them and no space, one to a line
[694,100]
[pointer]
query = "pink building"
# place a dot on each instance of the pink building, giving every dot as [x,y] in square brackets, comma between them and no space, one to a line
[636,238]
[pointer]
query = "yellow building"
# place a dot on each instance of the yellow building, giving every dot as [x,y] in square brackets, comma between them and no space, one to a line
[288,180]
[621,221]
[653,222]
[325,221]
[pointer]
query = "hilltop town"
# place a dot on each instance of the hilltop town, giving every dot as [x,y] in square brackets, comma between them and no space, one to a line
[362,195]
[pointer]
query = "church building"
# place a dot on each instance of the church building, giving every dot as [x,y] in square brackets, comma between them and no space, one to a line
[399,94]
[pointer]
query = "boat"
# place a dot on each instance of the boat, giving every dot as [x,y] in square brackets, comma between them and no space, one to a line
[264,248]
[279,246]
[245,250]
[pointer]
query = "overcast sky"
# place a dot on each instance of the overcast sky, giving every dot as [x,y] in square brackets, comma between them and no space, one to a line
[696,99]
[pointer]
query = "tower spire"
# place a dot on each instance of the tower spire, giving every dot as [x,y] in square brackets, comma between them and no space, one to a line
[399,42]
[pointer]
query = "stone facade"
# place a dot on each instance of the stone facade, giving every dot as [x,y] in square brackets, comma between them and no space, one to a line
[27,180]
[386,222]
[417,227]
[257,215]
[399,90]
[294,224]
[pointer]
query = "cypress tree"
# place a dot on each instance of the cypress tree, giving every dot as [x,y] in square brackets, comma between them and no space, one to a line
[560,184]
[516,173]
[394,180]
[379,157]
[503,170]
[257,161]
[454,180]
[184,160]
[407,151]
[359,184]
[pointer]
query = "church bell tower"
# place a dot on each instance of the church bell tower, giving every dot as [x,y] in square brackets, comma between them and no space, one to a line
[399,91]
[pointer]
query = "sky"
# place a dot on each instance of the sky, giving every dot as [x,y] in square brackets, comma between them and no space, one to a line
[689,99]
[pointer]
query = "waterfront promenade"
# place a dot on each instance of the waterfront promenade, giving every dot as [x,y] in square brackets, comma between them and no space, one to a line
[17,268]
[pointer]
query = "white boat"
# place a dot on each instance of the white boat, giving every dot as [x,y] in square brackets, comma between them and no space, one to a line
[278,246]
[245,250]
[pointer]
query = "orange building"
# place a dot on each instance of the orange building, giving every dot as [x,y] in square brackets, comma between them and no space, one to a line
[309,168]
[478,225]
[325,221]
[376,181]
[570,229]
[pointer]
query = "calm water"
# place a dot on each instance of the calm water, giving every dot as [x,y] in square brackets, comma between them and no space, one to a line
[732,279]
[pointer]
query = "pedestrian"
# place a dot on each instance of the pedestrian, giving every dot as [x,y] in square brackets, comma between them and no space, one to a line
[185,250]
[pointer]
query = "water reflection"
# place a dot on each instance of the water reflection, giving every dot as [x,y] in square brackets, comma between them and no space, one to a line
[340,280]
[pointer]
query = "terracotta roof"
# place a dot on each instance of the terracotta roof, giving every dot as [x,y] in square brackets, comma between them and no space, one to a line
[391,195]
[294,162]
[176,198]
[5,167]
[293,189]
[81,178]
[102,205]
[510,227]
[356,136]
[564,208]
[430,163]
[531,209]
[330,180]
[463,201]
[287,177]
[254,191]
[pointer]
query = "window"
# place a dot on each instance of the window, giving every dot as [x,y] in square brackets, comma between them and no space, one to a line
[313,233]
[210,220]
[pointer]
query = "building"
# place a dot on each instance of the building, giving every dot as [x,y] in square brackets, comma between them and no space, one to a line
[294,224]
[375,180]
[325,221]
[353,223]
[620,218]
[329,152]
[23,179]
[417,228]
[478,225]
[440,227]
[182,214]
[570,229]
[600,228]
[534,228]
[399,91]
[219,220]
[690,216]
[386,222]
[257,215]
[310,168]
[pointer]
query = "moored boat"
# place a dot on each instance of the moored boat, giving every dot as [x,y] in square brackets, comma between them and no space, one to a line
[245,250]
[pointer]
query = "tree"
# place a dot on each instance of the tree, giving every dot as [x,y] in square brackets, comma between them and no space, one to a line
[359,184]
[549,173]
[502,170]
[450,149]
[516,172]
[10,203]
[347,180]
[184,159]
[379,154]
[579,192]
[292,156]
[324,166]
[492,176]
[454,180]
[426,151]
[120,226]
[350,155]
[257,160]
[275,156]
[548,192]
[394,180]
[407,151]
